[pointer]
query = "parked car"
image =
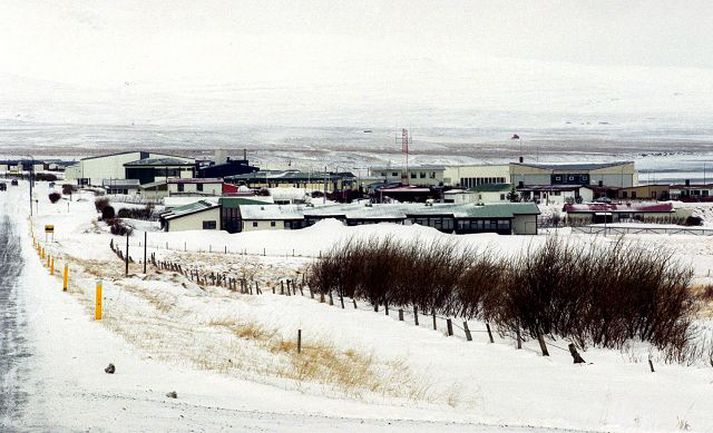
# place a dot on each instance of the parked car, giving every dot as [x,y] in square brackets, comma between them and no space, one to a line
[3,186]
[14,182]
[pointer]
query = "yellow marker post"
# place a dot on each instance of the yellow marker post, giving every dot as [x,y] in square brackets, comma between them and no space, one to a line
[98,302]
[65,278]
[51,265]
[49,257]
[42,253]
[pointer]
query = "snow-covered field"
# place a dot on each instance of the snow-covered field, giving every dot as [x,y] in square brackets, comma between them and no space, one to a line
[231,358]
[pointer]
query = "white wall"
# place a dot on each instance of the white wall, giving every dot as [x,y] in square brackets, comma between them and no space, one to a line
[192,188]
[195,221]
[106,167]
[524,225]
[263,225]
[453,174]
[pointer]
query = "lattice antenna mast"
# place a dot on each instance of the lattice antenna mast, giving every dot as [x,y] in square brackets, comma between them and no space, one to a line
[405,142]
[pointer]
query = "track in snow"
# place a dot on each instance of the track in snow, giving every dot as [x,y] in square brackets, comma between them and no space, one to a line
[13,345]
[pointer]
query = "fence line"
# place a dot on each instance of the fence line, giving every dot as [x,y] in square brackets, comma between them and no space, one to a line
[609,230]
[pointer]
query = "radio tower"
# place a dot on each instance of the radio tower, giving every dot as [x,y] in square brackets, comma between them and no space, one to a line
[405,141]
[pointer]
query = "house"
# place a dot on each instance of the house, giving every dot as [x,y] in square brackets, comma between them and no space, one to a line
[93,170]
[510,218]
[471,176]
[403,193]
[121,186]
[421,175]
[556,194]
[195,186]
[644,192]
[199,215]
[598,213]
[692,193]
[312,180]
[230,217]
[618,174]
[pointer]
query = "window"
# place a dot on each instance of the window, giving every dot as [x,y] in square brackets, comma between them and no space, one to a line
[394,174]
[624,194]
[422,175]
[383,173]
[413,175]
[180,187]
[585,178]
[272,224]
[633,194]
[433,175]
[209,225]
[254,223]
[571,178]
[502,197]
[199,187]
[558,178]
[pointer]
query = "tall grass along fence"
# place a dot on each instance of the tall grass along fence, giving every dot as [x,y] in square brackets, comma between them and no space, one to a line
[601,295]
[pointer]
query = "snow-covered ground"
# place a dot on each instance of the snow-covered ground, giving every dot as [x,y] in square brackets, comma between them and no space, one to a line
[230,356]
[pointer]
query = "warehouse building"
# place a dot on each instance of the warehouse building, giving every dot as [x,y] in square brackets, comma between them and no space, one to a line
[614,174]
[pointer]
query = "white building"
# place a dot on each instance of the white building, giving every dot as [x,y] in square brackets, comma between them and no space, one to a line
[203,214]
[427,175]
[213,187]
[470,176]
[93,170]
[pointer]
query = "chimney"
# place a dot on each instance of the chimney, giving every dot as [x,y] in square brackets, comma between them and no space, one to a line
[688,182]
[220,157]
[601,183]
[521,184]
[245,154]
[522,159]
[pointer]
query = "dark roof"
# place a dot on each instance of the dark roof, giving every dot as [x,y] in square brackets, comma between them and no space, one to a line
[607,207]
[196,180]
[573,166]
[115,154]
[289,175]
[189,209]
[492,187]
[158,162]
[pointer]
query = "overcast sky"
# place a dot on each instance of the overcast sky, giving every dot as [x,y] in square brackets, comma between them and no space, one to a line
[102,42]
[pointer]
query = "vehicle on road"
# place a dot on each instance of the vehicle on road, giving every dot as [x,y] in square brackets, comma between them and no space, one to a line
[14,182]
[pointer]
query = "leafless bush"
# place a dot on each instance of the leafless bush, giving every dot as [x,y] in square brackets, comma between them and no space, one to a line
[100,203]
[602,295]
[146,213]
[118,228]
[68,189]
[54,197]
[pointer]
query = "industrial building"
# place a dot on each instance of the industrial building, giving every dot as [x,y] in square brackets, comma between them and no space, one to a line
[95,169]
[615,174]
[421,175]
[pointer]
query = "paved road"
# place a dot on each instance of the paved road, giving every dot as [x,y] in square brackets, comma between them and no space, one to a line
[13,346]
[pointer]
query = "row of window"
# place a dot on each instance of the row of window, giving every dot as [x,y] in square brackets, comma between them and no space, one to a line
[414,174]
[181,187]
[470,182]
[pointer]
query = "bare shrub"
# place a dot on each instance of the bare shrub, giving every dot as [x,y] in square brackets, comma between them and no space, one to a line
[54,197]
[601,295]
[68,189]
[100,203]
[146,213]
[118,228]
[108,213]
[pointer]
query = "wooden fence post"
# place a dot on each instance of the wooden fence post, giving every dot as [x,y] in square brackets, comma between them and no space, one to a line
[433,314]
[401,315]
[651,365]
[299,341]
[415,315]
[543,346]
[449,327]
[519,338]
[468,336]
[490,333]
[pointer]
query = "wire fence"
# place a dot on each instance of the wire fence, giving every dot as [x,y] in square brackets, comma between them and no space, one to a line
[619,230]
